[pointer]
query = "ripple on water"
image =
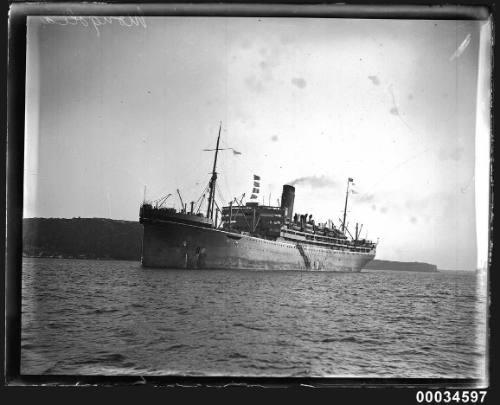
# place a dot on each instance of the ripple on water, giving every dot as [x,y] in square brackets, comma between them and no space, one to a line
[95,317]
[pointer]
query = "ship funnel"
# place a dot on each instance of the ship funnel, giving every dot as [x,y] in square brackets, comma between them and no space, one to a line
[287,199]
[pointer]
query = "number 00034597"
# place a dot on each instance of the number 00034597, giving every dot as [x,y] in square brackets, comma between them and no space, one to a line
[447,397]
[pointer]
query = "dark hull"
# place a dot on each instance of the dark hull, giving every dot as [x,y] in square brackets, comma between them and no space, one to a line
[181,246]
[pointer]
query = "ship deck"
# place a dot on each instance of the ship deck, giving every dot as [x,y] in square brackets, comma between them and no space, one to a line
[281,241]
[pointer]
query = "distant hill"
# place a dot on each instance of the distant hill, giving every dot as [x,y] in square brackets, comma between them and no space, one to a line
[91,238]
[400,266]
[99,238]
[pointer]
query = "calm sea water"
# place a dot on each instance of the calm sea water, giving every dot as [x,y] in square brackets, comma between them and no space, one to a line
[114,317]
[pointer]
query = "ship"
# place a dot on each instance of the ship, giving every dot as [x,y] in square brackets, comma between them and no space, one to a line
[248,236]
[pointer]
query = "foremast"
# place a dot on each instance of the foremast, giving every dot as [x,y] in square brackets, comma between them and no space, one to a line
[349,181]
[213,180]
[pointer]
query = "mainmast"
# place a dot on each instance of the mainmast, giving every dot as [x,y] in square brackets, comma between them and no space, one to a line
[211,195]
[349,180]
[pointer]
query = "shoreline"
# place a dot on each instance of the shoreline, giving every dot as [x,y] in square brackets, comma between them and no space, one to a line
[59,257]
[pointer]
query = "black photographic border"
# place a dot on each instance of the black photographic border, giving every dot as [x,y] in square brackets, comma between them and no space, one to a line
[18,14]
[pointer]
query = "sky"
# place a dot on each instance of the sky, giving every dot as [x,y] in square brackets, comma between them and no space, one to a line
[119,109]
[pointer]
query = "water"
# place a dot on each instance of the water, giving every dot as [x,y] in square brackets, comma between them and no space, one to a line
[114,317]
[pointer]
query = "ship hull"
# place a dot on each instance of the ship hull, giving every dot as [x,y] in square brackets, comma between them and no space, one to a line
[181,246]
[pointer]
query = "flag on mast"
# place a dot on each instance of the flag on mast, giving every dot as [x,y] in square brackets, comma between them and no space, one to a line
[256,187]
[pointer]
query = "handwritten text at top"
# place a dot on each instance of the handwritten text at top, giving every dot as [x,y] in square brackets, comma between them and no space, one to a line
[96,21]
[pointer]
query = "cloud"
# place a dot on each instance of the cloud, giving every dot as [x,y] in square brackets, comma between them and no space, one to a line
[286,39]
[374,80]
[271,58]
[453,153]
[365,198]
[246,43]
[255,84]
[384,203]
[299,82]
[274,138]
[264,65]
[314,181]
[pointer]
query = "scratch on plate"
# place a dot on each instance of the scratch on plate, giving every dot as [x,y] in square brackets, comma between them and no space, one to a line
[395,111]
[463,46]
